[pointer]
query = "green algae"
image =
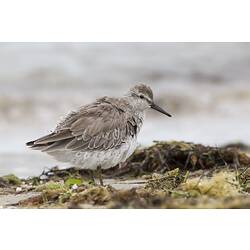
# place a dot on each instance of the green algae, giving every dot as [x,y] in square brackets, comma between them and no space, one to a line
[51,185]
[73,181]
[10,180]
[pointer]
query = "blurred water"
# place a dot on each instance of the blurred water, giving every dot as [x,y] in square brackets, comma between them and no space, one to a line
[204,85]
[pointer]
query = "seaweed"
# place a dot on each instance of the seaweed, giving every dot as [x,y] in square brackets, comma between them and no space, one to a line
[9,180]
[166,156]
[164,175]
[167,181]
[243,178]
[222,184]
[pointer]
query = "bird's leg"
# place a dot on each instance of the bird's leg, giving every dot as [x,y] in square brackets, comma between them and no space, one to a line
[91,175]
[122,165]
[99,174]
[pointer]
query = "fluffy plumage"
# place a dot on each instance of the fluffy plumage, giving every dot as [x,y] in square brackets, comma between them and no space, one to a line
[102,125]
[103,133]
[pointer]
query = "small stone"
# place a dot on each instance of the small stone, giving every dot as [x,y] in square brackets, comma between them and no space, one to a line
[74,187]
[43,177]
[156,176]
[18,189]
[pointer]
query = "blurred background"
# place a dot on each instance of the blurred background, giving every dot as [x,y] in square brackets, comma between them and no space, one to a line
[206,86]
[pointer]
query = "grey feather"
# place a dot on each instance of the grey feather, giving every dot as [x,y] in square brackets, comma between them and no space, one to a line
[84,130]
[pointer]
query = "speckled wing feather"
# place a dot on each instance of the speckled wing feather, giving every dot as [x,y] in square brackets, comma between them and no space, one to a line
[98,126]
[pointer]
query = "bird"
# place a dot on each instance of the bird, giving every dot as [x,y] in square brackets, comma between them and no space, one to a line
[102,134]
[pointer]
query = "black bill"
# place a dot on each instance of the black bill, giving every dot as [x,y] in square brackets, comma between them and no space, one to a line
[155,107]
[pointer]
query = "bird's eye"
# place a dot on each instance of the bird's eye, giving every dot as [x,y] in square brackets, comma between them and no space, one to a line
[141,96]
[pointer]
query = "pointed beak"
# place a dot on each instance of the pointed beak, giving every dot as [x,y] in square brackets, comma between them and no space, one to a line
[155,107]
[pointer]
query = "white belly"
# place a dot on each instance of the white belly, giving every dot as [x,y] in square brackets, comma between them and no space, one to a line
[93,159]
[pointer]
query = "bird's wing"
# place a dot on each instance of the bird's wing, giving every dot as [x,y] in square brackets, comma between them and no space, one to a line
[98,126]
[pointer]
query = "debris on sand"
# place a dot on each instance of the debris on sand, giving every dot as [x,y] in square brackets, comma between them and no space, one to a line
[222,184]
[165,175]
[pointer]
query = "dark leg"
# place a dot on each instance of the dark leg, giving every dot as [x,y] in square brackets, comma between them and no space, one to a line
[91,175]
[99,174]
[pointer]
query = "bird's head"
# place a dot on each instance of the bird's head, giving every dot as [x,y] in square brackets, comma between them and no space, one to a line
[143,98]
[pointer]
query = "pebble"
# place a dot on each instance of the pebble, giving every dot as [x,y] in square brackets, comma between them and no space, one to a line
[74,187]
[18,189]
[43,177]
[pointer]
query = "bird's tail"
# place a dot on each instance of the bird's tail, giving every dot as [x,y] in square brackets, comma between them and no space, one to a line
[52,141]
[40,143]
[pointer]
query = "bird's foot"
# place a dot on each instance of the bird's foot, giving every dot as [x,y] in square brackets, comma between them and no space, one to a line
[92,176]
[99,175]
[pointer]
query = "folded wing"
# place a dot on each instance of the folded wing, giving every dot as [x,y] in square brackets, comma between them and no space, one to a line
[98,126]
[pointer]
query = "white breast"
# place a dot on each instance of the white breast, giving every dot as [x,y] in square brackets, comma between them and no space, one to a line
[106,159]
